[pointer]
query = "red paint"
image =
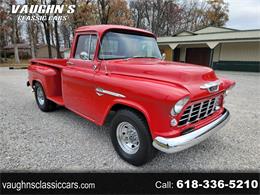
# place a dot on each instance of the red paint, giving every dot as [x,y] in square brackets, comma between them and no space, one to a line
[151,86]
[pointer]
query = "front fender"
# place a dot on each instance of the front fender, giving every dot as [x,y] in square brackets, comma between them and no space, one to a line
[130,104]
[152,98]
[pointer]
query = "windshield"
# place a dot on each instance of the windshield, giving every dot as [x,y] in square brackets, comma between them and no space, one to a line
[117,45]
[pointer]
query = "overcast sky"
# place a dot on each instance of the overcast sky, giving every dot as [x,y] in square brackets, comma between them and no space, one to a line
[244,14]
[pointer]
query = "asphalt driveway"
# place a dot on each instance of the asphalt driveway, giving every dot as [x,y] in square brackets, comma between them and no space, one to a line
[61,140]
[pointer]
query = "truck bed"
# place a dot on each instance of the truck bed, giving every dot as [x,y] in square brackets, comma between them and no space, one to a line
[57,63]
[48,73]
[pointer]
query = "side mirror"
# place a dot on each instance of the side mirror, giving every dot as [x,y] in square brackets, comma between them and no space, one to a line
[83,55]
[163,56]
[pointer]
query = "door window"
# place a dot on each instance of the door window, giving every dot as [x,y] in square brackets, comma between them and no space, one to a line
[82,45]
[86,43]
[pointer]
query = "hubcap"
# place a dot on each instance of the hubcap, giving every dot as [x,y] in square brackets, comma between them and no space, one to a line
[40,96]
[127,137]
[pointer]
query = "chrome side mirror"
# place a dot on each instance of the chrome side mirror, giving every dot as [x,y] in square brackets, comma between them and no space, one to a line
[163,56]
[83,55]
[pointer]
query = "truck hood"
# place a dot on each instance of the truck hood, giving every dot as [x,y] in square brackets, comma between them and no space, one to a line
[187,76]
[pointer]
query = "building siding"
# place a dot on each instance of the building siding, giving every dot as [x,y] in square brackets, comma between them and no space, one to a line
[240,51]
[216,54]
[42,52]
[231,49]
[168,52]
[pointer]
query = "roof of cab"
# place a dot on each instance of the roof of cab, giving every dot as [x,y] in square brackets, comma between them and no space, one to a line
[105,27]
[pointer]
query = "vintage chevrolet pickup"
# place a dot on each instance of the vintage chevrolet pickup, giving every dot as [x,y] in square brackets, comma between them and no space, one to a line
[118,71]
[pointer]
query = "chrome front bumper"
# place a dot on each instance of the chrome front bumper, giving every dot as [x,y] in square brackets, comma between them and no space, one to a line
[176,144]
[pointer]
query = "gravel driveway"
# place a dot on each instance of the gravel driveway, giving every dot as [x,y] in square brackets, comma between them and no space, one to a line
[61,140]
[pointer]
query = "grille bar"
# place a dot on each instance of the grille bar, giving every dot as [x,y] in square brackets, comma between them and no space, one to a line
[198,111]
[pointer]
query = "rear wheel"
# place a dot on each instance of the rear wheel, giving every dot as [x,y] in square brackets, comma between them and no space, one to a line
[131,137]
[43,103]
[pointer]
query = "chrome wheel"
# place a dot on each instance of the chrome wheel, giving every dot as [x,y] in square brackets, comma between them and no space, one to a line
[127,137]
[40,95]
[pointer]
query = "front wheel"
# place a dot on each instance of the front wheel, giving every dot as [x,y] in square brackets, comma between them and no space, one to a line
[43,103]
[131,137]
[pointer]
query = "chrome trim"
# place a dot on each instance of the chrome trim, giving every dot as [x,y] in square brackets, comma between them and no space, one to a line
[69,63]
[100,92]
[176,144]
[198,111]
[191,108]
[209,85]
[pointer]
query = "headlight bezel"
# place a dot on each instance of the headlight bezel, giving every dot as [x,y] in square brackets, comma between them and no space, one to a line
[179,105]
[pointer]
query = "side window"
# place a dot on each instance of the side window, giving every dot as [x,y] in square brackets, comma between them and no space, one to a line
[82,45]
[92,48]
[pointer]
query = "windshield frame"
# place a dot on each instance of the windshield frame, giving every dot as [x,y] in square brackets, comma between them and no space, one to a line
[129,32]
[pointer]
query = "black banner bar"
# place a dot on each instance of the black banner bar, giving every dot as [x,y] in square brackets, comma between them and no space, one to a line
[130,183]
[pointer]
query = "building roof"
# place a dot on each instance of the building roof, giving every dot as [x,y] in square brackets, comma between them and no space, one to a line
[213,29]
[229,35]
[184,33]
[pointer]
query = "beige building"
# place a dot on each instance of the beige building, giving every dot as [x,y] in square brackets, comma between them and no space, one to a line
[24,50]
[42,51]
[217,47]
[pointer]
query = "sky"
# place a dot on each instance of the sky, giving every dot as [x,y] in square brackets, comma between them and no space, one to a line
[244,14]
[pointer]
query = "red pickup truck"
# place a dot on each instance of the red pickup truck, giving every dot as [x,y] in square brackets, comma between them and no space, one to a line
[118,71]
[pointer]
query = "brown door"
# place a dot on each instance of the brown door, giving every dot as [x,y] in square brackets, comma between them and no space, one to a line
[199,56]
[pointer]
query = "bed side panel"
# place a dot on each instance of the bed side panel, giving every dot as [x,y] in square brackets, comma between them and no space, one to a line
[49,77]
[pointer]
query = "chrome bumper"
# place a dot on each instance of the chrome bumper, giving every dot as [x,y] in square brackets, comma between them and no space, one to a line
[176,144]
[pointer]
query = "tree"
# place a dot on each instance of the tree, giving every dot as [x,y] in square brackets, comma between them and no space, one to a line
[137,11]
[54,2]
[3,28]
[31,31]
[114,12]
[166,17]
[9,29]
[217,13]
[103,7]
[15,33]
[159,16]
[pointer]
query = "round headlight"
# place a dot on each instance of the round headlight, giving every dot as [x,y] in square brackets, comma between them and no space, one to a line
[179,106]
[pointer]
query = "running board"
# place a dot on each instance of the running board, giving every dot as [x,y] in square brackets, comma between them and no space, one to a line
[57,99]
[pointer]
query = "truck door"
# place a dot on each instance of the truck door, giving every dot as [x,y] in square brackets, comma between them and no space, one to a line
[77,77]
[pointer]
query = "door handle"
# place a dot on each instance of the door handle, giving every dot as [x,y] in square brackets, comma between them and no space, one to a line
[70,63]
[94,66]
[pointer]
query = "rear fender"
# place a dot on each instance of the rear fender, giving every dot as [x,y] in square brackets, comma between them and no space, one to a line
[49,78]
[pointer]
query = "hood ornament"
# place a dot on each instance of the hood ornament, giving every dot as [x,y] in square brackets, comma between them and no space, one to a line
[211,86]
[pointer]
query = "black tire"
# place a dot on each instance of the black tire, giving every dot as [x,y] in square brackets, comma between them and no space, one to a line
[145,150]
[45,105]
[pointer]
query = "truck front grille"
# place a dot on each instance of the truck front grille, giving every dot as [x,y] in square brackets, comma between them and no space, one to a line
[198,111]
